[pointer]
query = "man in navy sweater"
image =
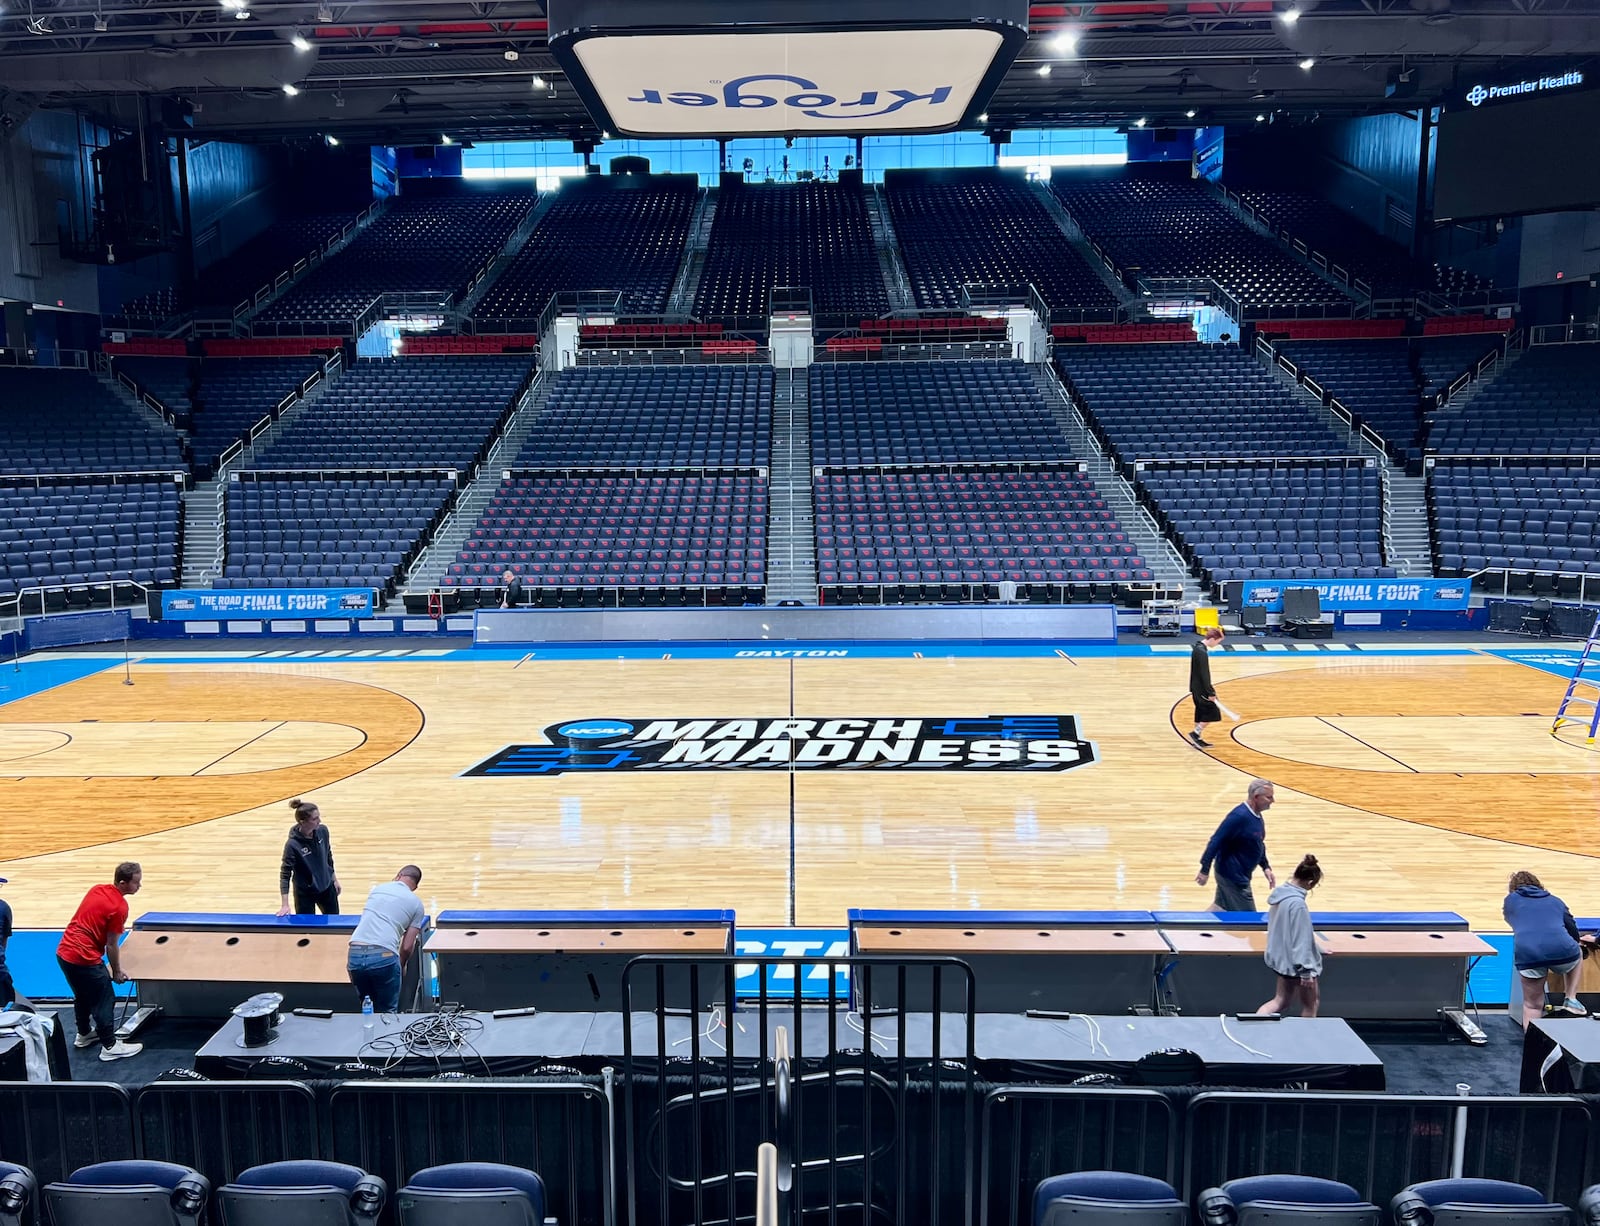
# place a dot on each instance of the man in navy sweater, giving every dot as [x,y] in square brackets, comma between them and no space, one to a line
[1238,846]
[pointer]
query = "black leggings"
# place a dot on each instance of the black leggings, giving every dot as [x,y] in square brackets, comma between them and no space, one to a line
[307,902]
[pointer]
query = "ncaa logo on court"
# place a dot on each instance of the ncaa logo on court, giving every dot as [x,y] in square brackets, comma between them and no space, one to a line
[941,743]
[1476,95]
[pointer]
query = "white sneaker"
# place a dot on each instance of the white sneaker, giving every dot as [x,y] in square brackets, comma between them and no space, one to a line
[85,1040]
[120,1051]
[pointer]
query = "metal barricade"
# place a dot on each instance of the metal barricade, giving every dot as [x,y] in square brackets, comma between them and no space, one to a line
[223,1128]
[54,1128]
[872,1111]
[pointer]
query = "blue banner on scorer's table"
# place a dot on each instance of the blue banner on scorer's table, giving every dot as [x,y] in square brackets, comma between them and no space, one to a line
[237,604]
[791,943]
[1362,594]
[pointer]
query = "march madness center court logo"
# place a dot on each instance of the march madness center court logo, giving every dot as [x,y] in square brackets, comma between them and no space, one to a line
[945,743]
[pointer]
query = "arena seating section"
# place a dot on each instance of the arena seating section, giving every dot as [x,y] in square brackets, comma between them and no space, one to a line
[1382,263]
[67,421]
[222,286]
[1535,517]
[87,494]
[635,508]
[1388,383]
[624,234]
[397,414]
[343,532]
[1005,502]
[436,236]
[1163,224]
[1308,512]
[85,534]
[169,379]
[770,235]
[987,226]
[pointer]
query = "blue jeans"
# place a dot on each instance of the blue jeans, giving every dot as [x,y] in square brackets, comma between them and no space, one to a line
[376,973]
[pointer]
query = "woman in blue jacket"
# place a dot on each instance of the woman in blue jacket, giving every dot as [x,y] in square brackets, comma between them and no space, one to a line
[1544,939]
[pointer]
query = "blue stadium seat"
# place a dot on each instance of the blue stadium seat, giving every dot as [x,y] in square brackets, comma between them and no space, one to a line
[1475,1202]
[472,1194]
[1263,1200]
[17,1194]
[306,1193]
[132,1193]
[1107,1198]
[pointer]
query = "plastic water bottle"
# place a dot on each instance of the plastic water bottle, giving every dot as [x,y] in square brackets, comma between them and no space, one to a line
[366,1018]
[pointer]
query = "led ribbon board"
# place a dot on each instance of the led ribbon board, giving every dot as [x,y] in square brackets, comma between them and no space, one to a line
[713,68]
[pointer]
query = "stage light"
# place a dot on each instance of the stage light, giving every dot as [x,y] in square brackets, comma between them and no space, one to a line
[333,140]
[1065,43]
[1308,63]
[300,42]
[1290,16]
[100,23]
[1044,70]
[291,90]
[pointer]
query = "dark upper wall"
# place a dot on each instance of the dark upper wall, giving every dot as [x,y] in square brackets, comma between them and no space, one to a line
[42,176]
[235,192]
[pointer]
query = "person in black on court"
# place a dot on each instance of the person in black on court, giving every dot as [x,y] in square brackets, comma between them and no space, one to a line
[1201,689]
[511,593]
[308,862]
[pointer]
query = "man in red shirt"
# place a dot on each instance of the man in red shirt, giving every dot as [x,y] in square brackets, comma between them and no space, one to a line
[95,930]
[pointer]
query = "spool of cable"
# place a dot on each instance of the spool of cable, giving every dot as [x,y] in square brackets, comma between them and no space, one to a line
[260,1017]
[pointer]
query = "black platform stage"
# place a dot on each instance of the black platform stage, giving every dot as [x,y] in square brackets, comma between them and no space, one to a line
[1322,1052]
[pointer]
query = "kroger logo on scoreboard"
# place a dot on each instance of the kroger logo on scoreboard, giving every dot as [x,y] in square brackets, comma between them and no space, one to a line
[938,743]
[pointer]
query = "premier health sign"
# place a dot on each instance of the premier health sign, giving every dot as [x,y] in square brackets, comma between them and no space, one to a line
[1481,93]
[1357,595]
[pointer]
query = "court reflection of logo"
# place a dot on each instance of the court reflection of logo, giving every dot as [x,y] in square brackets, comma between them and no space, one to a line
[944,743]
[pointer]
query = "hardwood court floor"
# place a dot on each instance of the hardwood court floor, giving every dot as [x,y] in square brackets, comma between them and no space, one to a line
[1419,781]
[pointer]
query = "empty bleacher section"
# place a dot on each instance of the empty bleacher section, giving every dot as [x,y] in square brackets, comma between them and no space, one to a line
[344,532]
[944,412]
[1525,510]
[67,421]
[1543,404]
[766,236]
[433,239]
[987,227]
[1388,384]
[1154,222]
[420,413]
[233,281]
[1005,501]
[233,394]
[620,417]
[620,531]
[169,379]
[1308,508]
[661,495]
[619,233]
[909,530]
[80,536]
[1303,519]
[1384,265]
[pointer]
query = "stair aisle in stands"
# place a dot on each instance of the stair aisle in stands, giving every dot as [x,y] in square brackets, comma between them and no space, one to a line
[429,568]
[791,532]
[893,267]
[687,281]
[1074,232]
[513,244]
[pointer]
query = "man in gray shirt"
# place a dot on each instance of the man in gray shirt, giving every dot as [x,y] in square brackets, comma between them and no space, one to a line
[385,938]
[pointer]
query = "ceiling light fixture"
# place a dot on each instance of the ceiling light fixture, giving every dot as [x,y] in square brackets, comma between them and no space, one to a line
[338,98]
[100,23]
[333,140]
[1139,123]
[299,41]
[1261,118]
[292,90]
[324,13]
[1188,114]
[1308,63]
[1290,16]
[1044,70]
[511,55]
[984,118]
[444,139]
[605,136]
[1065,43]
[538,81]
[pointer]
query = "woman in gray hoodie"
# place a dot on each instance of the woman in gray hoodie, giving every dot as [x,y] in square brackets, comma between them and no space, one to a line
[1293,952]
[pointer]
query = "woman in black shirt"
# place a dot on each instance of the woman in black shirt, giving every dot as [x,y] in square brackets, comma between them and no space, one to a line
[308,861]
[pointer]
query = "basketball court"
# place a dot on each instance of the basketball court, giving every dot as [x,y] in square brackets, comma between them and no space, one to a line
[791,783]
